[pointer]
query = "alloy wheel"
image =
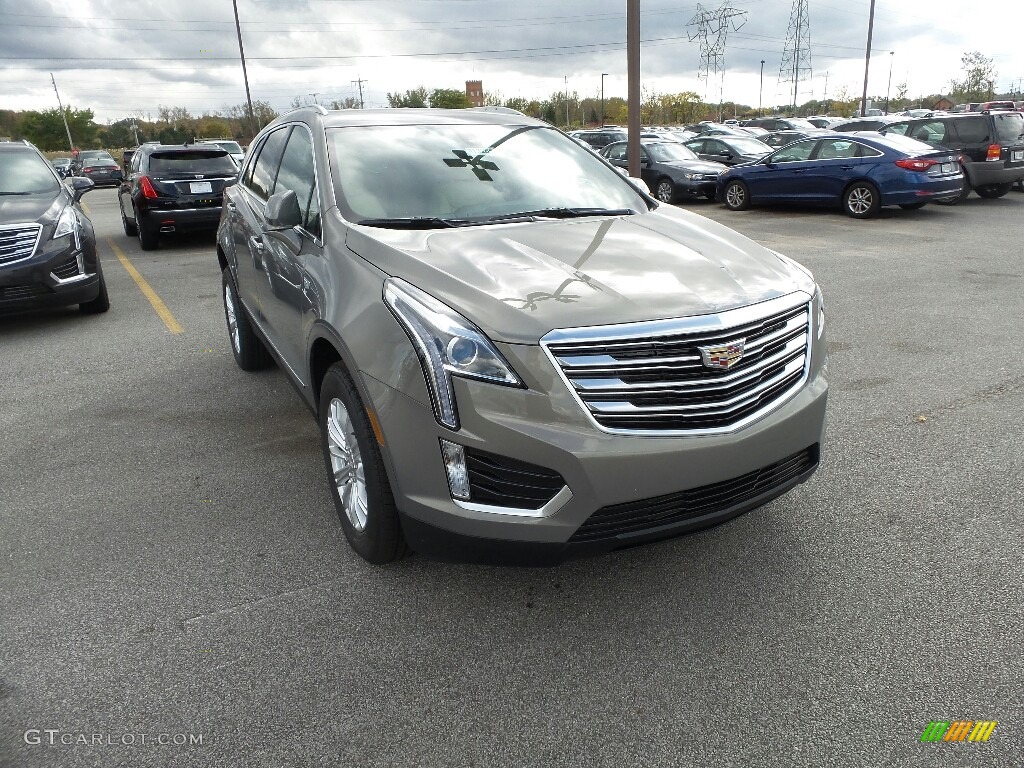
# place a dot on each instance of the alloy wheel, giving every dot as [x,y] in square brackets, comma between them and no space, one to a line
[735,195]
[347,464]
[859,200]
[232,314]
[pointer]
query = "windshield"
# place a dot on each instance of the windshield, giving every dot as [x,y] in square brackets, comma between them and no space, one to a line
[669,153]
[468,171]
[749,146]
[229,146]
[800,123]
[25,173]
[92,154]
[213,162]
[1009,128]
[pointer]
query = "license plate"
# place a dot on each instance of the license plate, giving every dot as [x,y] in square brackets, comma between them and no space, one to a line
[198,187]
[1018,155]
[950,167]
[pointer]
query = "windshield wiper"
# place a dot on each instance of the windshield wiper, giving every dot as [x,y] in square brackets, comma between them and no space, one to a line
[562,213]
[414,222]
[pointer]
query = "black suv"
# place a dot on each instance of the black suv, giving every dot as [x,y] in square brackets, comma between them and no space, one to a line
[174,188]
[600,138]
[780,124]
[990,143]
[47,245]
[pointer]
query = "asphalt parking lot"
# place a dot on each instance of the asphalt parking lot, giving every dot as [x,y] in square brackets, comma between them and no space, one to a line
[172,564]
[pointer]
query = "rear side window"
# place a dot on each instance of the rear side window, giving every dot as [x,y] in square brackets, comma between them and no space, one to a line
[297,175]
[1009,128]
[837,149]
[898,128]
[972,130]
[617,152]
[265,170]
[191,163]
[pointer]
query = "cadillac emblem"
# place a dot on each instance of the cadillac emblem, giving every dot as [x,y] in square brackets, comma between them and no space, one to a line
[724,356]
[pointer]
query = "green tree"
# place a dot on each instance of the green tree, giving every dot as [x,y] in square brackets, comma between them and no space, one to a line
[349,102]
[978,81]
[416,98]
[46,129]
[518,103]
[448,98]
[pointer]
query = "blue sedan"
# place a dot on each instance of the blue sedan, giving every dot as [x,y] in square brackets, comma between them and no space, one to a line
[859,171]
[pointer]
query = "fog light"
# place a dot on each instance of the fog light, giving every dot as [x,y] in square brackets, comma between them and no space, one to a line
[455,466]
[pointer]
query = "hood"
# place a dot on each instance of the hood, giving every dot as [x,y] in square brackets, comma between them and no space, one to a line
[697,166]
[29,209]
[519,281]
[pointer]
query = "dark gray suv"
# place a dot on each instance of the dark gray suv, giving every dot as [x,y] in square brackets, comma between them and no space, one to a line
[511,352]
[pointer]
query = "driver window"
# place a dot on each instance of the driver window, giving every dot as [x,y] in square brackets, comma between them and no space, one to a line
[795,153]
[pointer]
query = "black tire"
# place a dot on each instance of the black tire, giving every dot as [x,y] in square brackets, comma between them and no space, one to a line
[377,535]
[913,206]
[1019,185]
[129,229]
[736,196]
[665,190]
[861,200]
[148,239]
[992,191]
[248,350]
[101,303]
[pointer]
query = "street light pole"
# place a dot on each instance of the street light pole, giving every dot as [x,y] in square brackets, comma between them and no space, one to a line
[603,76]
[245,72]
[760,90]
[889,86]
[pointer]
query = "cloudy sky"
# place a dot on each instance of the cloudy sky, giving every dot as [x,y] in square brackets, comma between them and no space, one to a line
[121,58]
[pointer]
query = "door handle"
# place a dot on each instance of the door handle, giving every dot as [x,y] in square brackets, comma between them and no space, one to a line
[256,244]
[846,167]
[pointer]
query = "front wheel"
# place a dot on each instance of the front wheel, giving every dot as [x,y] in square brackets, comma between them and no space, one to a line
[129,229]
[665,191]
[992,191]
[248,350]
[359,483]
[861,200]
[102,301]
[737,196]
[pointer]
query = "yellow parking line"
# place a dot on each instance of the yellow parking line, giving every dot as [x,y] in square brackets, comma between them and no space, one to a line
[147,290]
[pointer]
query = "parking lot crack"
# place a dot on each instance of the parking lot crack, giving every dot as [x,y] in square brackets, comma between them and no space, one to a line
[254,604]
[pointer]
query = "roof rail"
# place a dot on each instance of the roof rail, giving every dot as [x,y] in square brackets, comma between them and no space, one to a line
[502,110]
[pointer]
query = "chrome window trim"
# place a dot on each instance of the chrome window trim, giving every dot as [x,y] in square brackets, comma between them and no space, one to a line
[721,321]
[558,501]
[35,245]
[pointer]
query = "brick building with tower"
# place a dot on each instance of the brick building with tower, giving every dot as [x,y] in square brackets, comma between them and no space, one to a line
[475,93]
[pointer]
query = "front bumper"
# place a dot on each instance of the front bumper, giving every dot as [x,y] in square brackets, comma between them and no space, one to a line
[697,187]
[545,426]
[60,273]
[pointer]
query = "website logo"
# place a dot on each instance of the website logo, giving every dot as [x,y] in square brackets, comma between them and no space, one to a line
[959,730]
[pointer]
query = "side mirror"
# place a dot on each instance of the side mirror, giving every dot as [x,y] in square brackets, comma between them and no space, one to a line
[283,211]
[639,184]
[79,186]
[644,161]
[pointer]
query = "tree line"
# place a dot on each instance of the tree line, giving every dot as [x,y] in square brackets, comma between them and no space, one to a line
[564,109]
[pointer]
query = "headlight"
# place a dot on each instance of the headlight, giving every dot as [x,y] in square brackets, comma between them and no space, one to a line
[67,223]
[447,344]
[691,176]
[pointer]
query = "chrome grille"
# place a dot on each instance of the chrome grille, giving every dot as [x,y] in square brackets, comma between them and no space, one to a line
[650,377]
[18,242]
